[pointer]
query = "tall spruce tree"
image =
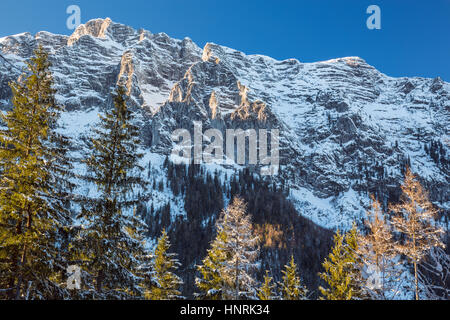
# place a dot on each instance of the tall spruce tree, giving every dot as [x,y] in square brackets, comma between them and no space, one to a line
[291,287]
[166,284]
[355,264]
[110,243]
[35,172]
[341,268]
[210,281]
[415,219]
[268,288]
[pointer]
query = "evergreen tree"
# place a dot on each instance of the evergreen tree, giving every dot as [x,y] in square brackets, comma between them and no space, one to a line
[268,288]
[241,245]
[355,264]
[291,288]
[166,283]
[35,173]
[110,244]
[415,219]
[210,281]
[341,273]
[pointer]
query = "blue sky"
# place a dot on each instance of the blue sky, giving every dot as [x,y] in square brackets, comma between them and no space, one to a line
[414,39]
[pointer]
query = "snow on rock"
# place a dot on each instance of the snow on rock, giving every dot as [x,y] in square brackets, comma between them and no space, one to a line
[346,128]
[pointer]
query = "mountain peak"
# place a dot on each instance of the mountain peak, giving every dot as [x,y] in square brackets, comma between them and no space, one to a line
[95,28]
[348,60]
[104,29]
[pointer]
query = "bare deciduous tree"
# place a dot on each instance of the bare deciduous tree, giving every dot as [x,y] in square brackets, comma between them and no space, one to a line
[377,251]
[415,219]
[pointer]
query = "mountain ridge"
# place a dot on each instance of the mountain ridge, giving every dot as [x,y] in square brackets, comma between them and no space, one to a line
[347,129]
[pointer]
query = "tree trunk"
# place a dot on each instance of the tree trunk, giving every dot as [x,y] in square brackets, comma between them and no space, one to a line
[416,280]
[23,259]
[237,281]
[99,281]
[20,278]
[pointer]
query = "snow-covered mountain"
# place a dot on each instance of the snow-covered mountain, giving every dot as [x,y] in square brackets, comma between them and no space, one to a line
[346,129]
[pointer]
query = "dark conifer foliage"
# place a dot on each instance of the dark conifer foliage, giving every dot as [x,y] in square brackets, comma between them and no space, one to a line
[164,283]
[110,243]
[35,173]
[435,149]
[282,229]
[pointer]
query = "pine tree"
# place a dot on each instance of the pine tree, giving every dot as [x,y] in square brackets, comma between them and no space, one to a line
[291,288]
[166,283]
[414,218]
[341,274]
[355,264]
[268,289]
[35,183]
[241,246]
[210,281]
[377,251]
[110,244]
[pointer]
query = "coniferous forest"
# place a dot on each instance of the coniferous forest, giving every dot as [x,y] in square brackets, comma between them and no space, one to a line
[241,238]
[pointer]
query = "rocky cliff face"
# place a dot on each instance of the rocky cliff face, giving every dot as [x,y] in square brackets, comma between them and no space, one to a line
[346,129]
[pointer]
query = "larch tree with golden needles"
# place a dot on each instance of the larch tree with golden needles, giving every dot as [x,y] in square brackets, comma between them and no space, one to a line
[377,251]
[415,219]
[241,246]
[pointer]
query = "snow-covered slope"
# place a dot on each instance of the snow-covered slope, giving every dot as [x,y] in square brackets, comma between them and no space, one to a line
[346,128]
